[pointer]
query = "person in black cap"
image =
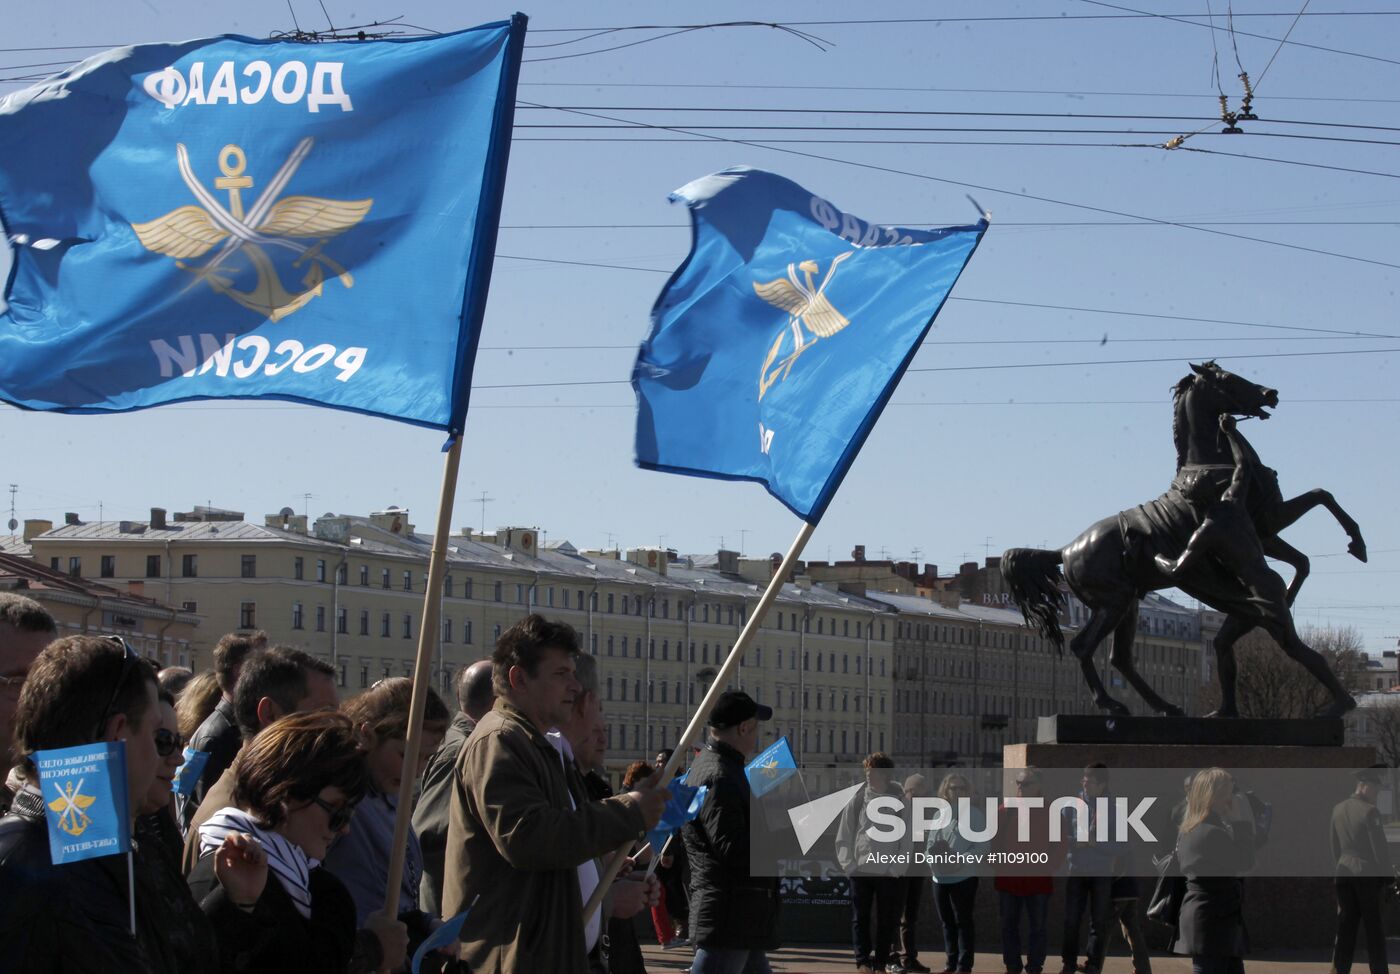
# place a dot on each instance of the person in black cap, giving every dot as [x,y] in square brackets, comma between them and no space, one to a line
[1363,872]
[733,915]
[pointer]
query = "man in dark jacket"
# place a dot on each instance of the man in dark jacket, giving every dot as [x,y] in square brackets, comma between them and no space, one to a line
[733,915]
[1363,872]
[430,814]
[219,735]
[75,918]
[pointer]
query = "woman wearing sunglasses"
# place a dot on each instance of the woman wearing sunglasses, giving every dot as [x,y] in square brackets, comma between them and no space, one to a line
[295,789]
[176,934]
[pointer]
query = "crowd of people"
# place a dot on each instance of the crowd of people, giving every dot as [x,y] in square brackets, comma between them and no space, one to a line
[277,858]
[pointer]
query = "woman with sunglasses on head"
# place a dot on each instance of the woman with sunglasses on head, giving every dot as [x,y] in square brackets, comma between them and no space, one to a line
[174,931]
[295,789]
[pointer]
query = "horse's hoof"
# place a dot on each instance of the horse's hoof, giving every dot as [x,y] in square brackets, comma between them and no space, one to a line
[1339,707]
[1228,714]
[1171,710]
[1357,549]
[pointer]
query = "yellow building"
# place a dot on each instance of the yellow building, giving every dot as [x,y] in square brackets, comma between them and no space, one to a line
[80,606]
[350,589]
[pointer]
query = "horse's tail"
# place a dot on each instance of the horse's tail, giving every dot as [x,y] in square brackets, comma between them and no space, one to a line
[1033,578]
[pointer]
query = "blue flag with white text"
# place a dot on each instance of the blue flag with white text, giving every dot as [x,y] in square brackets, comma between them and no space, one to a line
[776,345]
[189,772]
[771,768]
[239,218]
[85,798]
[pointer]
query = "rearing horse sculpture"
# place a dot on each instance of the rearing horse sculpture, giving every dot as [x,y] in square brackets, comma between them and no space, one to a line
[1111,565]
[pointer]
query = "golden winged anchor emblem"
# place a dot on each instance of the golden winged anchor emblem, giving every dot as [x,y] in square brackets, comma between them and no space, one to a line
[270,225]
[770,767]
[70,805]
[811,317]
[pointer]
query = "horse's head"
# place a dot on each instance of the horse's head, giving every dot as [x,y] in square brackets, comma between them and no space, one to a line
[1227,393]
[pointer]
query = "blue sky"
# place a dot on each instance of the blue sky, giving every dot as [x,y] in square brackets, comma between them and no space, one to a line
[977,458]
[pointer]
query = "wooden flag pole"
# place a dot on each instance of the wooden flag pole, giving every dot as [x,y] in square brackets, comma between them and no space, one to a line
[427,641]
[697,722]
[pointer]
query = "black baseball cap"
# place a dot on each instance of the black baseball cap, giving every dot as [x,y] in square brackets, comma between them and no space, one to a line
[735,707]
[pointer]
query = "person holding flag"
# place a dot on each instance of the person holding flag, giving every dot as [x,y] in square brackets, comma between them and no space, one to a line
[76,917]
[733,915]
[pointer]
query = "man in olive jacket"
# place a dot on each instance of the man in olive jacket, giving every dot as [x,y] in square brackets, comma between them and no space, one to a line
[733,914]
[1363,872]
[523,838]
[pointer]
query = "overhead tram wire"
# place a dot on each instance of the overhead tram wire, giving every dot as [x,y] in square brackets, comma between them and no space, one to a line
[1031,304]
[1020,195]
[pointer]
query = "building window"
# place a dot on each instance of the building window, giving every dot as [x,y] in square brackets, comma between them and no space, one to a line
[152,566]
[519,594]
[447,587]
[407,626]
[447,630]
[298,568]
[364,677]
[408,581]
[580,600]
[467,589]
[384,624]
[250,566]
[320,569]
[467,631]
[342,573]
[364,622]
[320,618]
[497,591]
[189,606]
[109,565]
[495,634]
[75,566]
[610,645]
[383,578]
[342,620]
[364,575]
[189,566]
[819,662]
[248,615]
[593,641]
[610,603]
[296,615]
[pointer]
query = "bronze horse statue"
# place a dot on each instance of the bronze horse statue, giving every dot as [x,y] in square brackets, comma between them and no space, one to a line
[1114,563]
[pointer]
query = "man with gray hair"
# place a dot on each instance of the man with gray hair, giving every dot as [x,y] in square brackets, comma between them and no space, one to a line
[474,700]
[25,628]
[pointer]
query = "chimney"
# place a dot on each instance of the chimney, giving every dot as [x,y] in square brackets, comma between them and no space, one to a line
[728,562]
[333,529]
[157,519]
[393,519]
[33,527]
[651,558]
[858,553]
[71,518]
[524,540]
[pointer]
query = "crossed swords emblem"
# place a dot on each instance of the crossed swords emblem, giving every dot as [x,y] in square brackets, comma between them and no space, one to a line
[191,231]
[69,805]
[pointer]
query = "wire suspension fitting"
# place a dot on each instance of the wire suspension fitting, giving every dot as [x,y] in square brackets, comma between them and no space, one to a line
[1246,113]
[1229,118]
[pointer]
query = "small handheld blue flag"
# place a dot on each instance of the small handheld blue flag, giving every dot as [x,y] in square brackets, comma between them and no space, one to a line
[187,775]
[771,768]
[84,789]
[776,345]
[449,932]
[234,218]
[683,805]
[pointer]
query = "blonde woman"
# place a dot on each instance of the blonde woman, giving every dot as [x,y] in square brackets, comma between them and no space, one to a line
[954,879]
[1215,848]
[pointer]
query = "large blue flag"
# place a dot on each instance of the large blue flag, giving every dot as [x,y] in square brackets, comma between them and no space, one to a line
[235,218]
[682,807]
[84,789]
[777,343]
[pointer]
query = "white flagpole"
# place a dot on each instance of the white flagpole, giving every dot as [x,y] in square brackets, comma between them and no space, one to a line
[427,641]
[697,722]
[131,889]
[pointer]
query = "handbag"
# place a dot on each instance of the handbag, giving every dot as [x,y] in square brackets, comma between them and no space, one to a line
[1164,905]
